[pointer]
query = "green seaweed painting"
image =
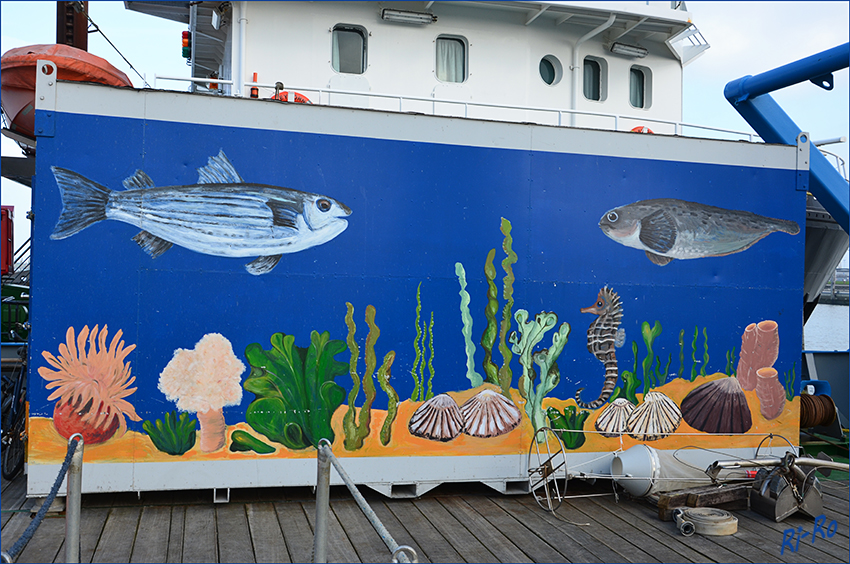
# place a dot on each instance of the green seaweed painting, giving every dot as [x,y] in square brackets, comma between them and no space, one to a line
[356,433]
[295,389]
[530,334]
[653,376]
[495,330]
[475,379]
[423,332]
[630,381]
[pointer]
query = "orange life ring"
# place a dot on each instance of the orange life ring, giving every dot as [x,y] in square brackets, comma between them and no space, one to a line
[297,97]
[641,129]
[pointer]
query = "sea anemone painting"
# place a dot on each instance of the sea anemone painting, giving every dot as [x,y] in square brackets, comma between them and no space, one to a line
[91,385]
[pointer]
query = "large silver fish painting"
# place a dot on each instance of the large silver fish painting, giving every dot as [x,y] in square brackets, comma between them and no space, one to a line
[221,215]
[668,229]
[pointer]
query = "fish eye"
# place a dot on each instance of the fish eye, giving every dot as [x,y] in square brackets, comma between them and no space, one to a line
[612,217]
[323,205]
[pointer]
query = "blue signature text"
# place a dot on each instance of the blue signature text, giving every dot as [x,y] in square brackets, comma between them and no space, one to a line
[789,534]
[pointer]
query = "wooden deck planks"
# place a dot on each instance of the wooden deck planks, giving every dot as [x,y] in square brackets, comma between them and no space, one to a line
[199,534]
[119,534]
[339,547]
[92,521]
[296,530]
[266,535]
[498,544]
[152,539]
[702,544]
[566,544]
[175,534]
[366,541]
[478,525]
[454,531]
[434,545]
[518,533]
[401,535]
[46,542]
[234,537]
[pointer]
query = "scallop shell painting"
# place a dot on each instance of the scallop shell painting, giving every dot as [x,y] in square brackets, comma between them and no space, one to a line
[489,414]
[655,418]
[438,419]
[613,420]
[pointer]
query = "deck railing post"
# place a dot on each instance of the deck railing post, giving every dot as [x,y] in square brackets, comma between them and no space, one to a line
[323,493]
[73,501]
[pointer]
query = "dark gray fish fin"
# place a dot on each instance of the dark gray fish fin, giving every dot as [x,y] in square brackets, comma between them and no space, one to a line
[219,171]
[138,180]
[83,202]
[658,259]
[262,265]
[658,231]
[285,214]
[151,244]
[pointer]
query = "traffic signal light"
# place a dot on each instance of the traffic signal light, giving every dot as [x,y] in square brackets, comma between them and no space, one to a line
[187,45]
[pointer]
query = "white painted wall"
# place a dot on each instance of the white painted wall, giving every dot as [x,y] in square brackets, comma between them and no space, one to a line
[291,42]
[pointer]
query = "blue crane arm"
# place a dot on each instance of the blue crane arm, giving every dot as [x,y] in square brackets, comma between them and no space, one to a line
[749,95]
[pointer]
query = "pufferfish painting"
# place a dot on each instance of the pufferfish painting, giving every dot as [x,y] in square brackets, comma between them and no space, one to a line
[668,229]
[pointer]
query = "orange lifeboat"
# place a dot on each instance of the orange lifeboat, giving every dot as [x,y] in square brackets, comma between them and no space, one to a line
[18,72]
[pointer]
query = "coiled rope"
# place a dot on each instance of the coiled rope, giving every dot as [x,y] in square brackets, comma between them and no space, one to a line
[816,410]
[39,517]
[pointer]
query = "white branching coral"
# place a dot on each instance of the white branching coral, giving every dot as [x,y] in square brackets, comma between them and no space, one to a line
[204,380]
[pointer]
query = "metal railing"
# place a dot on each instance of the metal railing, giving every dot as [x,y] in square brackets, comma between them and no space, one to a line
[325,459]
[438,106]
[73,467]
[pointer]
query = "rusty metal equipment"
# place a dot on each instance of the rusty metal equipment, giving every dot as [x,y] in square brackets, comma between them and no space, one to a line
[782,486]
[547,469]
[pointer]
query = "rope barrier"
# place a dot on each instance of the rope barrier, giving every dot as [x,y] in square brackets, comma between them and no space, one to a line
[39,517]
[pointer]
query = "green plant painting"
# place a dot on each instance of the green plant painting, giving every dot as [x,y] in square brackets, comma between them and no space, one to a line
[172,435]
[571,422]
[295,389]
[240,441]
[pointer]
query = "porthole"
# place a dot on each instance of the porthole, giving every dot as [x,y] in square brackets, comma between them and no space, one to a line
[551,70]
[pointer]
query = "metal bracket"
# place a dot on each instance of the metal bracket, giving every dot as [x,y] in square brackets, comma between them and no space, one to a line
[803,148]
[45,98]
[824,81]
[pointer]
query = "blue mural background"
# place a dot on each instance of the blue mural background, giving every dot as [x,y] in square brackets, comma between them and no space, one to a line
[417,209]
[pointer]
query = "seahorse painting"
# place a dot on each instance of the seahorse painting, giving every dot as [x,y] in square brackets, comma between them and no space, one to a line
[602,337]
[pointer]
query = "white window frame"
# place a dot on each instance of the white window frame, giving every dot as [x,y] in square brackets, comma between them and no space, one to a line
[647,86]
[603,78]
[465,44]
[349,28]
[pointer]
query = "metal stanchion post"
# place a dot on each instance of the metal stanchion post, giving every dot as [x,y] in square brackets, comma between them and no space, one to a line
[323,493]
[73,495]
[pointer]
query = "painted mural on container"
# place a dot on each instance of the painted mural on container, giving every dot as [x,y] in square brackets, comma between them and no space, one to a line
[471,340]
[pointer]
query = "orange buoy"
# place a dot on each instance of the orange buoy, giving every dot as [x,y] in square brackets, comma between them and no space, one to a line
[297,97]
[641,129]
